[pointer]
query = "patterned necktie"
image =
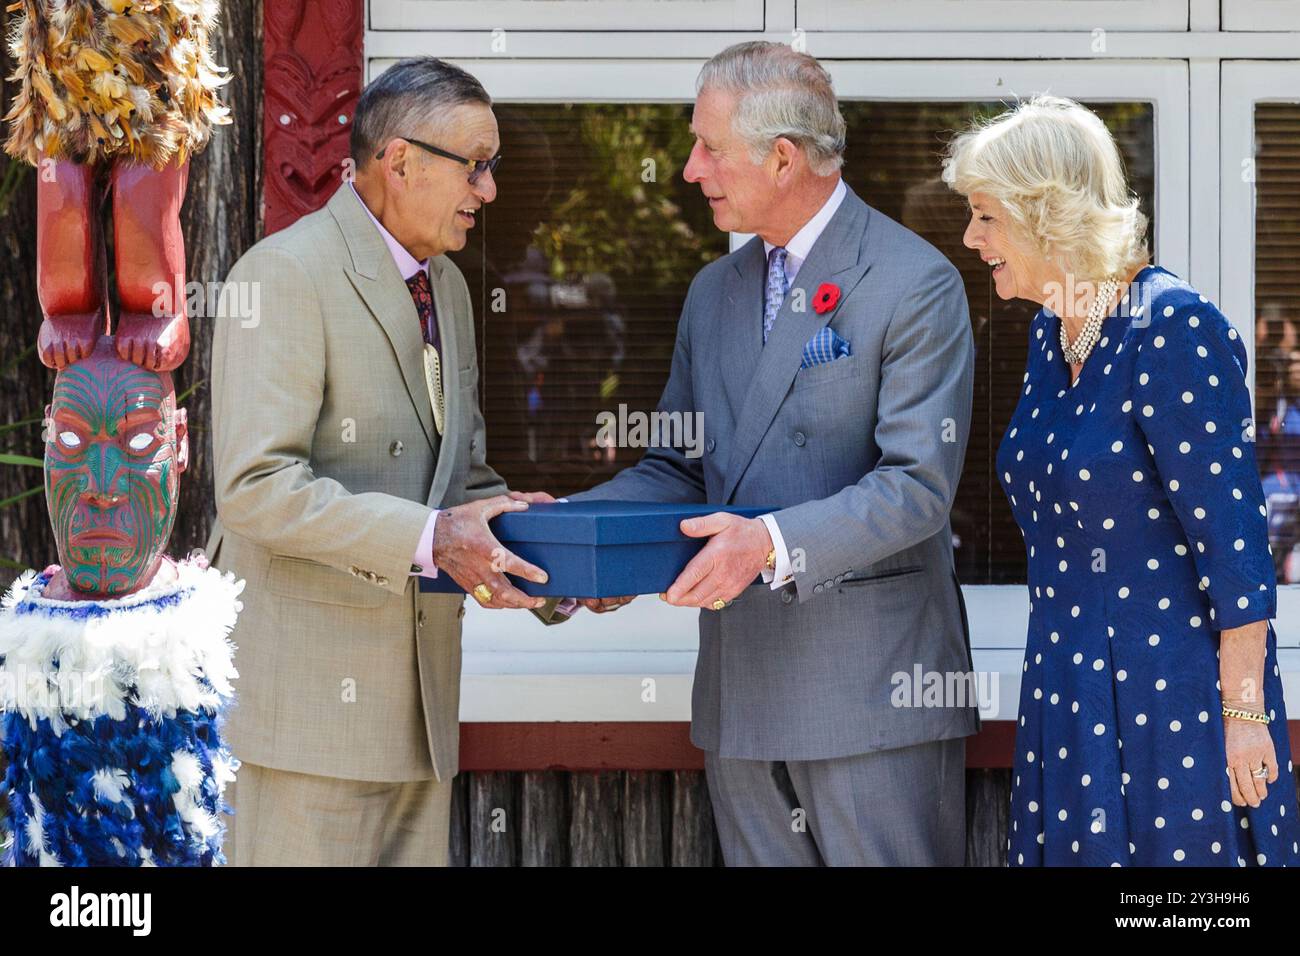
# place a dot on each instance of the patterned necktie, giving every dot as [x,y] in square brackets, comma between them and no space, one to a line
[777,287]
[422,293]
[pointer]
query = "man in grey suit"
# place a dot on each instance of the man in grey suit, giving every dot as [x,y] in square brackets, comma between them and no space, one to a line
[832,360]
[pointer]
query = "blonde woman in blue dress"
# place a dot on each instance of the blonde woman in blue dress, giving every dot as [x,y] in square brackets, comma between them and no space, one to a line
[1151,730]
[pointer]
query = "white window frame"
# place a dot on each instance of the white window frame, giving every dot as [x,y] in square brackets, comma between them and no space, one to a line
[1245,83]
[565,15]
[993,15]
[593,668]
[1261,15]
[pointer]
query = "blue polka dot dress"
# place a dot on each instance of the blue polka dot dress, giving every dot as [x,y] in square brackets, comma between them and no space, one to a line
[1137,493]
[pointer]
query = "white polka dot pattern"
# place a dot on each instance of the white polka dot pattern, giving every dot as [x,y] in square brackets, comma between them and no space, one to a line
[1152,540]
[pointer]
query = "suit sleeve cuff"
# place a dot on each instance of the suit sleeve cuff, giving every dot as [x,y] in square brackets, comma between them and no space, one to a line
[422,562]
[782,575]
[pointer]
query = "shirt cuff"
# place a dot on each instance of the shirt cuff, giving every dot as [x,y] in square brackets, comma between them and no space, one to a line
[422,563]
[782,575]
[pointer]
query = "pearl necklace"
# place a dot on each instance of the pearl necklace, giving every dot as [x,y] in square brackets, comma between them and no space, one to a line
[1082,348]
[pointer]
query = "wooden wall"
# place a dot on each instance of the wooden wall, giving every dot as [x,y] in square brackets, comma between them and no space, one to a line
[647,818]
[640,818]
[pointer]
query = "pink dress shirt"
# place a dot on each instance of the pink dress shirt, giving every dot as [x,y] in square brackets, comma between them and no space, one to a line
[408,266]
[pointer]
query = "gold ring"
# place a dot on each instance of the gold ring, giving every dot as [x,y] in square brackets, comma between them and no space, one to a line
[482,593]
[719,604]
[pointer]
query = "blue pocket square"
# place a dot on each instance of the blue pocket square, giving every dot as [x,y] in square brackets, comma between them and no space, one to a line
[825,346]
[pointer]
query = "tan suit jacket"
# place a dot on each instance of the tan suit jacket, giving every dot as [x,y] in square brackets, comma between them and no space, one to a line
[326,465]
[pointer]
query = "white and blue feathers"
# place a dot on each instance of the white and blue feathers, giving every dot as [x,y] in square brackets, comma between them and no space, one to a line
[110,716]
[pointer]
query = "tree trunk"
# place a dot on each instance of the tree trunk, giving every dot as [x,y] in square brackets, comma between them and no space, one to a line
[221,218]
[25,384]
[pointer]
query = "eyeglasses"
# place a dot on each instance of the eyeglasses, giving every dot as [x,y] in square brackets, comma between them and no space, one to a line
[475,167]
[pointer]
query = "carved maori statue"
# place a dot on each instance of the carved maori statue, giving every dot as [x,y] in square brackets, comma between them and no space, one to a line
[115,663]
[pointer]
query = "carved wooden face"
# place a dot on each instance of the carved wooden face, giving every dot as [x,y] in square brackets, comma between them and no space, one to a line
[115,448]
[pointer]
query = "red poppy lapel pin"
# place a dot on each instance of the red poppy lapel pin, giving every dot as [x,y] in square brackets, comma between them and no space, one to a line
[826,297]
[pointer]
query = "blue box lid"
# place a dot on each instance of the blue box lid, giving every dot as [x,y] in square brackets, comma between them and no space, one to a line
[599,548]
[605,522]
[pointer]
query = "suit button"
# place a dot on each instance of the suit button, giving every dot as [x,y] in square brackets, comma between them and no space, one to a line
[799,439]
[473,443]
[460,611]
[395,448]
[353,569]
[711,445]
[786,597]
[381,581]
[817,589]
[419,619]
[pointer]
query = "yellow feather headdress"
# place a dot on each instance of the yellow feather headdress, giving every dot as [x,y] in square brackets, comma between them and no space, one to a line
[100,79]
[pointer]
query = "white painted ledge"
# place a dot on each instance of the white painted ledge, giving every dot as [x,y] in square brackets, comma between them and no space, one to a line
[636,664]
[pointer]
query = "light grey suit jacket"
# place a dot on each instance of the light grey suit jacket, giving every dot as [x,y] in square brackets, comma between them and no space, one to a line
[326,465]
[861,456]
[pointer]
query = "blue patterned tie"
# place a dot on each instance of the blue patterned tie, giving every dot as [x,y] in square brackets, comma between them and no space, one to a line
[776,288]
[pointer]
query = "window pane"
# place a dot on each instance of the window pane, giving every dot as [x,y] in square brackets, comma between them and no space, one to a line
[589,250]
[579,269]
[1277,326]
[893,162]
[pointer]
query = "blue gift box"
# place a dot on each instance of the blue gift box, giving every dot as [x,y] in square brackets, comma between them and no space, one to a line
[598,548]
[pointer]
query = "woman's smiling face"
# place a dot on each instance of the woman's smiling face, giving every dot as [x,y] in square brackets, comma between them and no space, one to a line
[1018,271]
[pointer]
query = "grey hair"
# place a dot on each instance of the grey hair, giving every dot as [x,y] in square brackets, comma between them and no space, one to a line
[779,92]
[411,96]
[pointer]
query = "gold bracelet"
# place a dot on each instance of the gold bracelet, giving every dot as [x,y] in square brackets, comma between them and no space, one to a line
[1250,715]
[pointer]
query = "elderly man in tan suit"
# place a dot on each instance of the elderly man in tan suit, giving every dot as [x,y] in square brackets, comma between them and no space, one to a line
[349,457]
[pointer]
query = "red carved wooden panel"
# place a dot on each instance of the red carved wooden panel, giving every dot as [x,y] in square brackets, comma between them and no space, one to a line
[314,73]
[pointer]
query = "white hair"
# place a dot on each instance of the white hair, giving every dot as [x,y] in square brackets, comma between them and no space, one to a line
[1054,166]
[779,92]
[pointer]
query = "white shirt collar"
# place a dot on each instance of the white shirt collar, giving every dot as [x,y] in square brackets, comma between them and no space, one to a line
[801,243]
